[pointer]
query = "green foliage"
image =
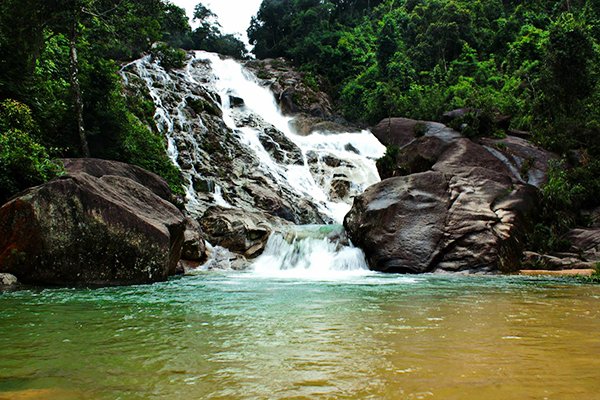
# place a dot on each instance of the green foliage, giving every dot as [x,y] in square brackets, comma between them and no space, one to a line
[23,161]
[208,35]
[386,165]
[35,46]
[167,57]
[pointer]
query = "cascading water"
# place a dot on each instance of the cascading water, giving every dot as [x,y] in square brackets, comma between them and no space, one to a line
[233,80]
[256,138]
[309,257]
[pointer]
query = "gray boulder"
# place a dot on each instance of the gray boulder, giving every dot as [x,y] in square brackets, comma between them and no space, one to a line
[194,246]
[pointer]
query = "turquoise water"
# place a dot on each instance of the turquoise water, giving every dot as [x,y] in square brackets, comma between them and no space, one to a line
[240,336]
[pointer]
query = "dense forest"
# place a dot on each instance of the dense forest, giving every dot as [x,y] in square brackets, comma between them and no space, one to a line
[533,60]
[61,94]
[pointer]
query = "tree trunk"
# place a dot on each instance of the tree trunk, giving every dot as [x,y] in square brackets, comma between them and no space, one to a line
[76,89]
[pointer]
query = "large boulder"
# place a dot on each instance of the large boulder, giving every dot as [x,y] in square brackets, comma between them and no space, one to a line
[81,229]
[395,131]
[528,162]
[194,246]
[242,232]
[463,209]
[99,168]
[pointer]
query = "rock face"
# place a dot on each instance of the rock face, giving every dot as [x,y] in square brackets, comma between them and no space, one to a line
[295,91]
[214,158]
[464,210]
[528,161]
[81,229]
[194,246]
[240,231]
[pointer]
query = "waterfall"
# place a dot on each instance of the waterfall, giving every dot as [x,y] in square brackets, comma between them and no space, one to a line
[240,137]
[231,79]
[309,257]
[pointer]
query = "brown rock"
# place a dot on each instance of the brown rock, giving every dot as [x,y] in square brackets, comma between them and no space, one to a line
[99,168]
[468,213]
[79,229]
[395,131]
[194,246]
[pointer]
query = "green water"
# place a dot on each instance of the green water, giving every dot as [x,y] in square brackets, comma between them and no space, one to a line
[238,336]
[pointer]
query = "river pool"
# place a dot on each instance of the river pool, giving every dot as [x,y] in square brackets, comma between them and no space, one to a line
[236,335]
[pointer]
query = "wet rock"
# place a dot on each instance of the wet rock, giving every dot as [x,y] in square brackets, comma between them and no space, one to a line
[221,258]
[340,188]
[282,149]
[305,125]
[269,202]
[242,232]
[295,91]
[81,229]
[236,101]
[8,280]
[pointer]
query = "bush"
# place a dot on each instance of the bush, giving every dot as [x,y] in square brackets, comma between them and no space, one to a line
[167,57]
[23,161]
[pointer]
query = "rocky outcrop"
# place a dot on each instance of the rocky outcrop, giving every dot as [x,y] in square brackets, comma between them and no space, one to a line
[217,163]
[241,232]
[459,208]
[554,262]
[81,229]
[296,92]
[528,162]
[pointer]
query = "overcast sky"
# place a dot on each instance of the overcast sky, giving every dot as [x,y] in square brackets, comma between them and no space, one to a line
[234,15]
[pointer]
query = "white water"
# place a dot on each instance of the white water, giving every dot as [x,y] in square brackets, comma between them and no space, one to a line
[309,258]
[232,79]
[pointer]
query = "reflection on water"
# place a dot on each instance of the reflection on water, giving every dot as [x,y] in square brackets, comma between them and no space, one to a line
[239,336]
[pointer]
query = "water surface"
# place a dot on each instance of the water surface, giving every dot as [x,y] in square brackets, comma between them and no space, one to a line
[242,336]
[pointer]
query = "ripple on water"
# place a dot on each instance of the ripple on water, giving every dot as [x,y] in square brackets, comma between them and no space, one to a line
[237,335]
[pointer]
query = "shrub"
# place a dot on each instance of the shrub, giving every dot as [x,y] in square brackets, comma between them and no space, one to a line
[167,57]
[23,161]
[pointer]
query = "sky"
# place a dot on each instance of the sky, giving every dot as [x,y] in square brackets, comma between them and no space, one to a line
[233,15]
